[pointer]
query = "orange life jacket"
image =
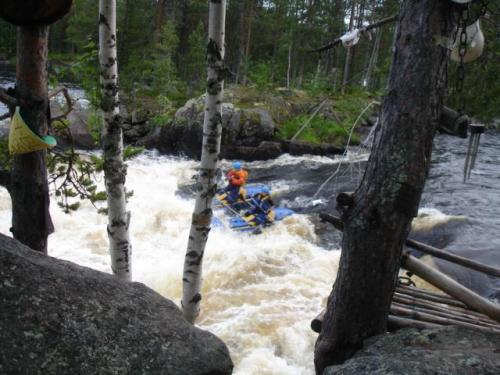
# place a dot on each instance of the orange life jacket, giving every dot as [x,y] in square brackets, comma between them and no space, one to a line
[237,177]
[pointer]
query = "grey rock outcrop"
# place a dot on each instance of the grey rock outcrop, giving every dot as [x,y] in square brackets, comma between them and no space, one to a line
[247,134]
[78,120]
[59,318]
[447,350]
[240,127]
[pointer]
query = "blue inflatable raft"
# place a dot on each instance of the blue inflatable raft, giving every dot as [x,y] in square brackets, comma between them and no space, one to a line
[234,212]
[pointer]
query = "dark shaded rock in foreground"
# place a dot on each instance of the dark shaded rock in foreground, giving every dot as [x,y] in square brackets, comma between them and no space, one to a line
[60,318]
[447,350]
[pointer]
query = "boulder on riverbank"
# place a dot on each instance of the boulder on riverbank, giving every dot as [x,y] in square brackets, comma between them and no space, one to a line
[446,350]
[58,317]
[247,134]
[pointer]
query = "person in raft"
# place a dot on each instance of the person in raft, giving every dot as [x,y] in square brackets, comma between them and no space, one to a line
[261,211]
[236,178]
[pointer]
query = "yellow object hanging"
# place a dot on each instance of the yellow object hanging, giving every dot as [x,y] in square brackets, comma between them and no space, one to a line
[23,140]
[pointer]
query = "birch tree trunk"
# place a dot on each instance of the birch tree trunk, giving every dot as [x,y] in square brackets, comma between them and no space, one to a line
[206,184]
[378,219]
[112,143]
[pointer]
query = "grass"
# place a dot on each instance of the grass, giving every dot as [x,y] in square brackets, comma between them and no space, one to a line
[334,123]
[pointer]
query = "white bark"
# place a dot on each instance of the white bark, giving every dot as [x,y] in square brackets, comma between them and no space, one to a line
[114,167]
[206,184]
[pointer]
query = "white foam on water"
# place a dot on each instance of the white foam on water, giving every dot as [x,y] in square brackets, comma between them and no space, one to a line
[260,292]
[429,218]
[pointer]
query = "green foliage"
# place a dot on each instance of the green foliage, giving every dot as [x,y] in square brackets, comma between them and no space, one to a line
[130,152]
[155,73]
[319,130]
[318,84]
[334,123]
[259,73]
[71,176]
[82,24]
[165,113]
[194,61]
[94,124]
[7,40]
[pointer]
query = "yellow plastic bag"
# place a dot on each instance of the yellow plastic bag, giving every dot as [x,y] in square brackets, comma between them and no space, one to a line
[23,140]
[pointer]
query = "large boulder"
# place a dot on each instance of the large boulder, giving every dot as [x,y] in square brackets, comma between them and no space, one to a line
[240,127]
[78,120]
[446,350]
[247,134]
[60,318]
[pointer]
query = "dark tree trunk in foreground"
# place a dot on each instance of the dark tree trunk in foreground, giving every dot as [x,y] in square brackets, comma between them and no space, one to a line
[31,222]
[377,222]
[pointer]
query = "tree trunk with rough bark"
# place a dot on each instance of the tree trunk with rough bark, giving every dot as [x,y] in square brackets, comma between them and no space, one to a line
[159,19]
[378,220]
[206,184]
[31,221]
[112,142]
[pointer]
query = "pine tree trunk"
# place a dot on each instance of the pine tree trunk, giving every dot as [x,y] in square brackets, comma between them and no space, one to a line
[206,184]
[378,221]
[240,61]
[112,143]
[31,221]
[159,19]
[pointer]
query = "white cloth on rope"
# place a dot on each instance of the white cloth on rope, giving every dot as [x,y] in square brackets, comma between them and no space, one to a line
[350,38]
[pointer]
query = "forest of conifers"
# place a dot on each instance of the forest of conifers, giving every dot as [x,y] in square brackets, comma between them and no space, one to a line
[269,43]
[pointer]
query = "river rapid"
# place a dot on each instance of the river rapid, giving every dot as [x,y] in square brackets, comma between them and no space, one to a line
[260,292]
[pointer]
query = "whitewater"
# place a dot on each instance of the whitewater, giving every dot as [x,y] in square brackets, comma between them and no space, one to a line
[260,292]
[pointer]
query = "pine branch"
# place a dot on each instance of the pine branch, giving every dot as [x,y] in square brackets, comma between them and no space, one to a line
[362,30]
[4,116]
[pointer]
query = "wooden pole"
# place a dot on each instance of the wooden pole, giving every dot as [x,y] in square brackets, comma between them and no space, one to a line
[420,319]
[417,315]
[408,300]
[430,297]
[344,198]
[397,322]
[451,287]
[448,315]
[442,254]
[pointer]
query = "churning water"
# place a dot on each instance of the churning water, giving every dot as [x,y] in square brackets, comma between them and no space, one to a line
[260,292]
